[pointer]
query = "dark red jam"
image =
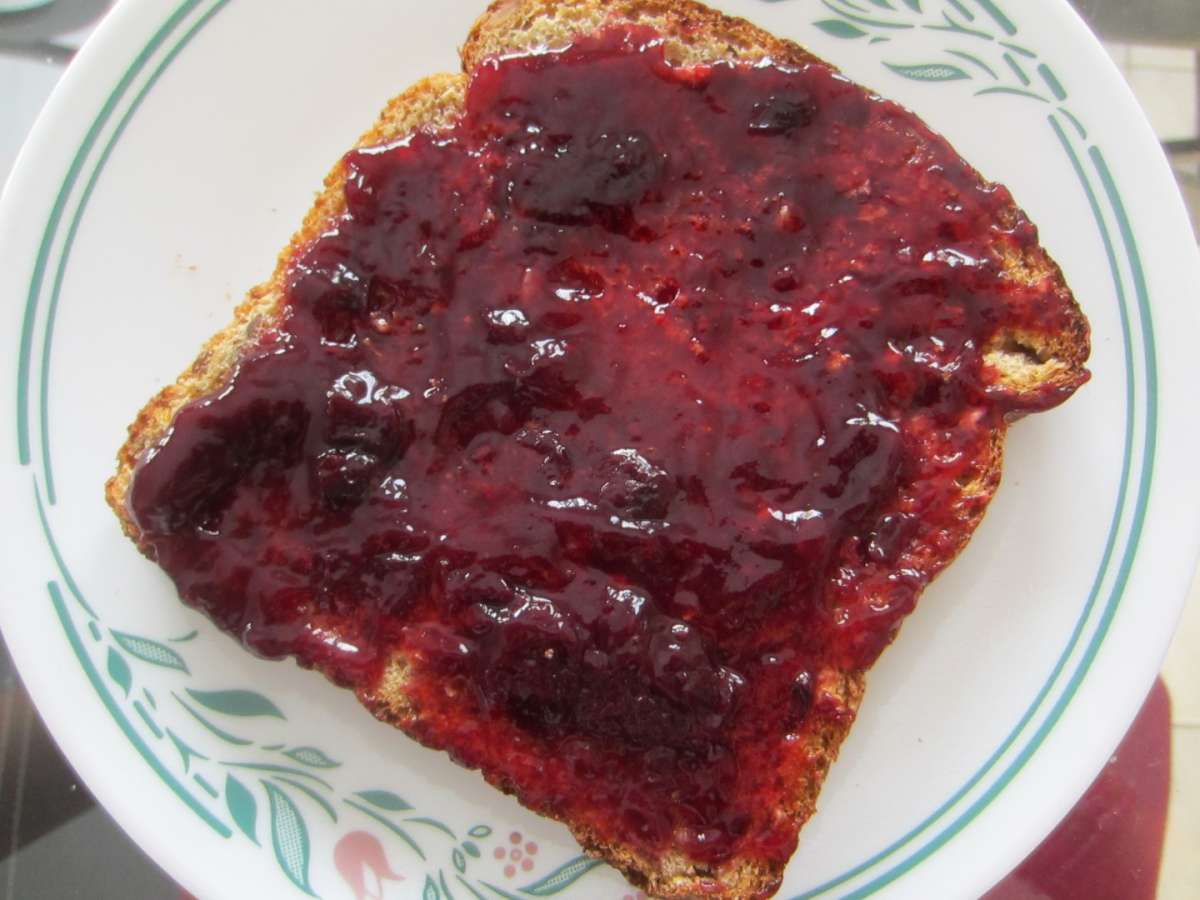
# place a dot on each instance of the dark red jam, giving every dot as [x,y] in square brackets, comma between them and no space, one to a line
[617,409]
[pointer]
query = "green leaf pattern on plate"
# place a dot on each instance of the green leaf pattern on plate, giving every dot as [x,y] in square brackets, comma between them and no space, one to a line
[289,837]
[311,756]
[562,877]
[930,72]
[277,793]
[840,29]
[243,808]
[385,800]
[996,65]
[119,671]
[149,651]
[309,792]
[236,703]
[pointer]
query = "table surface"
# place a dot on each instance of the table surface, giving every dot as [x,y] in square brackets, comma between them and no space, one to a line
[47,816]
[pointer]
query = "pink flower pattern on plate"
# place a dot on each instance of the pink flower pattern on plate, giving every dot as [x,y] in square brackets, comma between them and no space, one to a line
[355,854]
[520,855]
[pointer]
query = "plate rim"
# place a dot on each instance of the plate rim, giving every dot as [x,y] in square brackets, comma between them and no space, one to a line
[187,7]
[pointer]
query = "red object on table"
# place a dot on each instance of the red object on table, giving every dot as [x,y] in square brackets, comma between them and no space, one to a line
[1109,847]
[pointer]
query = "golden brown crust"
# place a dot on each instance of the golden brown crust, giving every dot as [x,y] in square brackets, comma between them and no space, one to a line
[694,33]
[1023,364]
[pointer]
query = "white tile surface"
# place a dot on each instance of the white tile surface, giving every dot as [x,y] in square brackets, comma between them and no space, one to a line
[1164,80]
[1169,98]
[1182,670]
[1180,875]
[1119,52]
[1181,59]
[24,86]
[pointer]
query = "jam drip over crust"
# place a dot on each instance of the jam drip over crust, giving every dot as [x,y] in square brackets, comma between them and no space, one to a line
[617,411]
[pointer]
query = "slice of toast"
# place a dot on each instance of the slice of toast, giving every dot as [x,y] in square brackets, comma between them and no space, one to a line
[1029,363]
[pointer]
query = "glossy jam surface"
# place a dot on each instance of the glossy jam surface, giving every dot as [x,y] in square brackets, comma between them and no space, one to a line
[616,409]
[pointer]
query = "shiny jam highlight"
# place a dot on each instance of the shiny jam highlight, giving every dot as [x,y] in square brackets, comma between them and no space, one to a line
[615,410]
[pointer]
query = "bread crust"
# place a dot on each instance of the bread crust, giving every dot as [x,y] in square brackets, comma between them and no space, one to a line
[1023,365]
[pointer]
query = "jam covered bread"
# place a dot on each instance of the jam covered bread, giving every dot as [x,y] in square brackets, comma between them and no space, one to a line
[607,415]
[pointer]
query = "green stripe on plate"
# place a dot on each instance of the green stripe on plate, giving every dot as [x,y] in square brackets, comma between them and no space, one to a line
[1145,476]
[56,598]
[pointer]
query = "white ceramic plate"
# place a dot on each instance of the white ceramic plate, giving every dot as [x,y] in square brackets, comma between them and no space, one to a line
[175,159]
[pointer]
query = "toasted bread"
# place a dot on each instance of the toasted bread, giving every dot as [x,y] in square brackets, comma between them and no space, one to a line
[1027,369]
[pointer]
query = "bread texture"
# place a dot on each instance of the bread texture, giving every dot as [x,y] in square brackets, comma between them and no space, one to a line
[1021,365]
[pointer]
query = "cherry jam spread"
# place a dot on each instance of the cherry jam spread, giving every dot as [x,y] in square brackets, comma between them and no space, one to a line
[616,409]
